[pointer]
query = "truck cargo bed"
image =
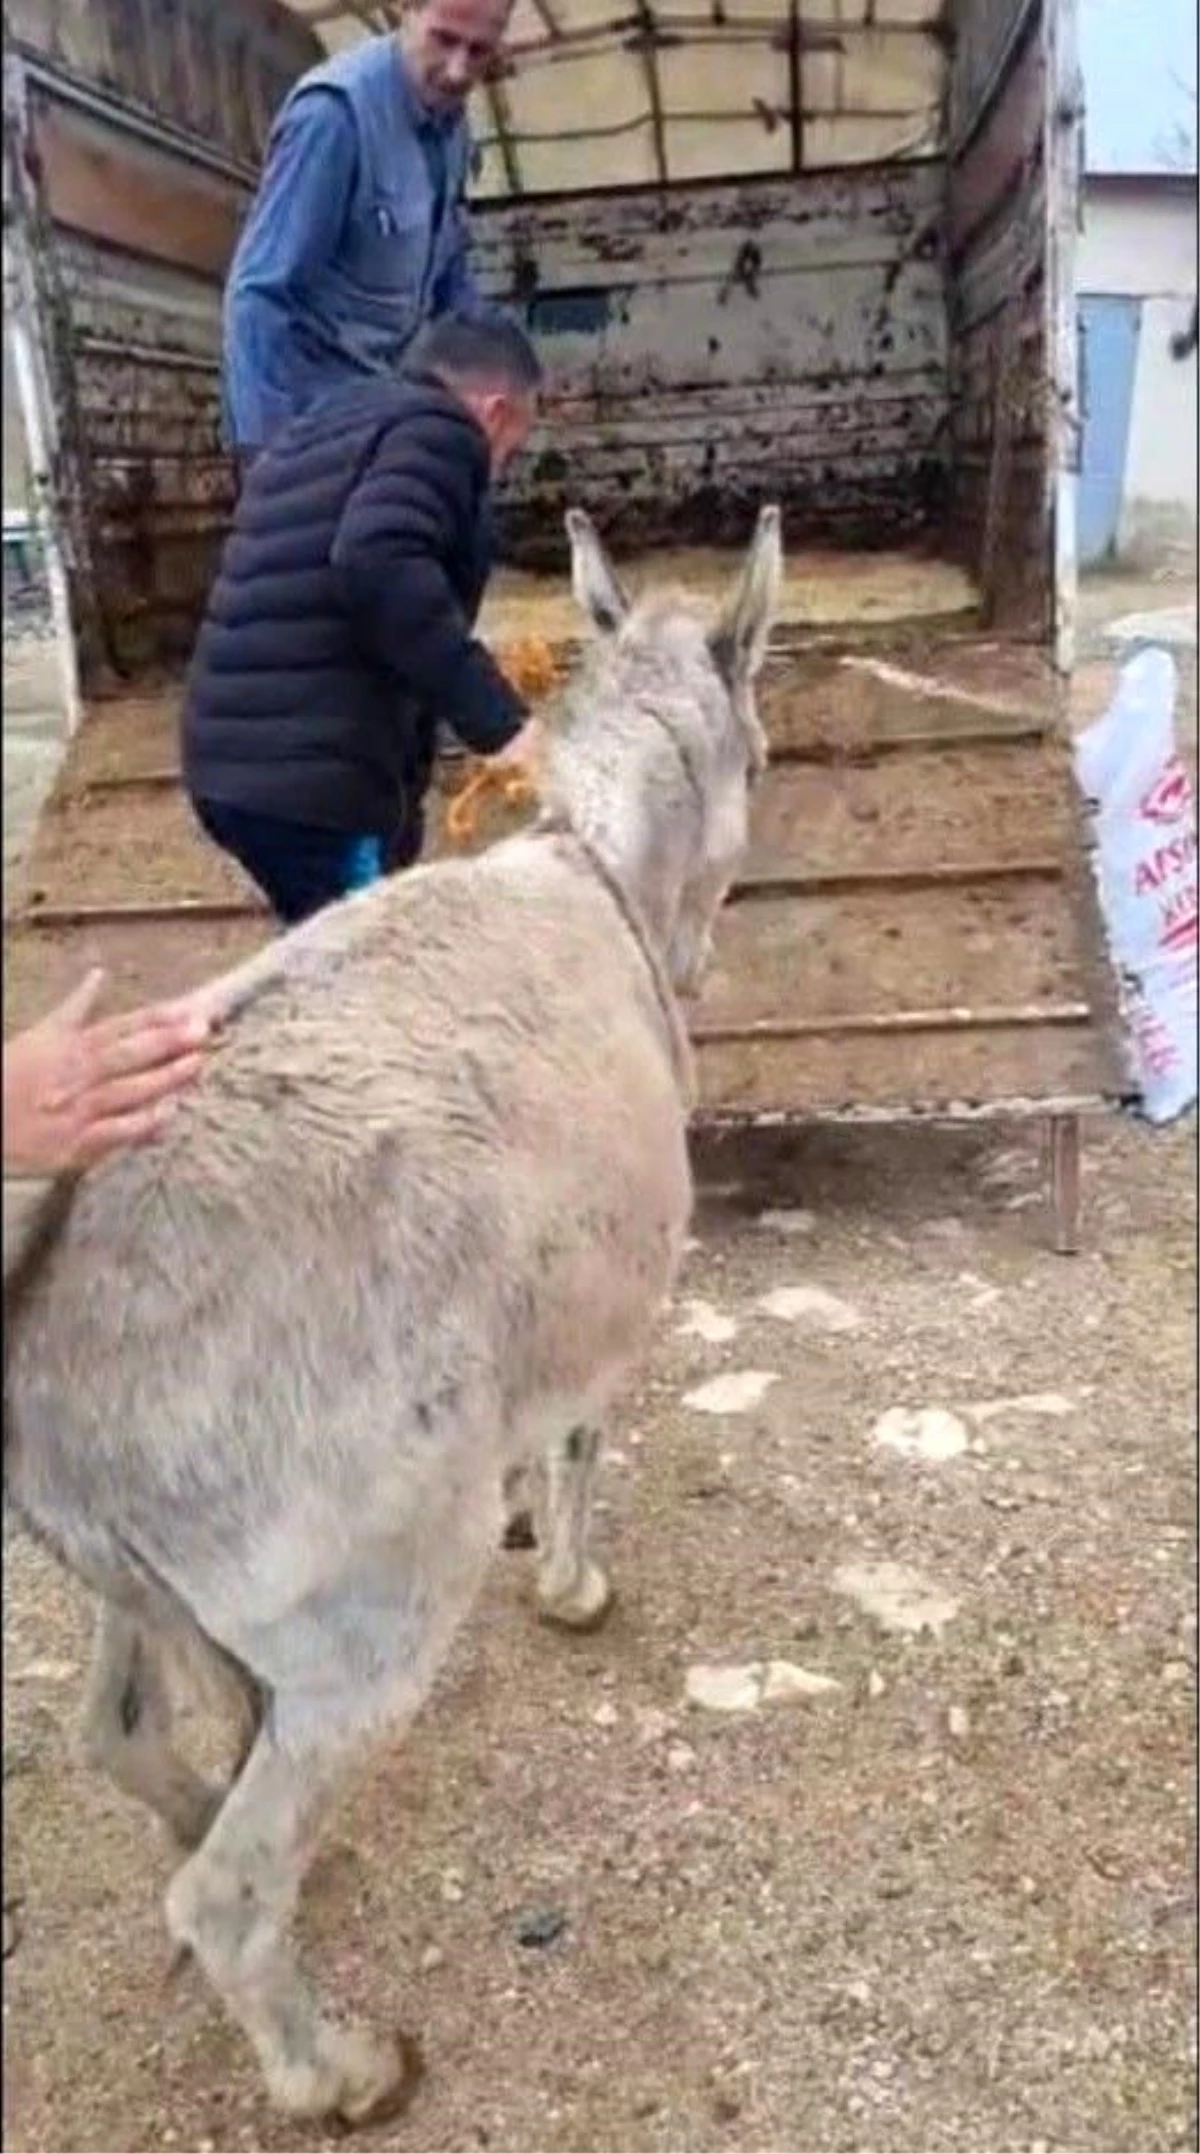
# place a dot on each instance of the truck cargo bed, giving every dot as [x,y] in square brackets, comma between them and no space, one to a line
[913,933]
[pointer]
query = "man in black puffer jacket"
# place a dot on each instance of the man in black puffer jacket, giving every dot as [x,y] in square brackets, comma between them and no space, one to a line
[340,626]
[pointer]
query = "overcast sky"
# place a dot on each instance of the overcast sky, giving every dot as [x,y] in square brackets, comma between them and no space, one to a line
[1139,72]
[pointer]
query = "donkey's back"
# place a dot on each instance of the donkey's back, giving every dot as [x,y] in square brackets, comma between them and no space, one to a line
[433,1180]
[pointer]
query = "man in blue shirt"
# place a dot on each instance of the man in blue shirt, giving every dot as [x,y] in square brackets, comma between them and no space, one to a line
[358,232]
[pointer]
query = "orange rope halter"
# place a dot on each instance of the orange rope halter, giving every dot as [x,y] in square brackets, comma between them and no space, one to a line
[529,663]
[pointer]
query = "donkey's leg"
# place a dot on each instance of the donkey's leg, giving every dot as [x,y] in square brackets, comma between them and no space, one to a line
[357,1657]
[127,1727]
[231,1905]
[691,955]
[691,948]
[572,1589]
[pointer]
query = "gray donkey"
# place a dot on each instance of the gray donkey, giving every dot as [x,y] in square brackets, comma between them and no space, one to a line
[267,1383]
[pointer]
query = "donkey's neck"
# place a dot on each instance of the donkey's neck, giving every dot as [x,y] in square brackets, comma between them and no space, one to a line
[612,811]
[674,1031]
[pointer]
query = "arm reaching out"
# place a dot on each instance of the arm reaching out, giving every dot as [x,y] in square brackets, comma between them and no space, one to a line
[413,512]
[75,1090]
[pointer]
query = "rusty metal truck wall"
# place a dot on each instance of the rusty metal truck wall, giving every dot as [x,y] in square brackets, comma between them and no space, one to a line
[1002,424]
[721,342]
[705,345]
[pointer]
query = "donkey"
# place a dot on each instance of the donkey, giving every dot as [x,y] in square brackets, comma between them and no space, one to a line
[267,1381]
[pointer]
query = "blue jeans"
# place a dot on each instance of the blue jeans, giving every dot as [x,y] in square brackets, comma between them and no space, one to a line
[298,868]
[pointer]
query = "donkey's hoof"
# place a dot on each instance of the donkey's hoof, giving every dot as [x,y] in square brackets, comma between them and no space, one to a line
[365,2104]
[588,1604]
[356,2078]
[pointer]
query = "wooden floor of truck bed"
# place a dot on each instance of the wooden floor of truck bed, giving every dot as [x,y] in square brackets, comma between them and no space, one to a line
[914,932]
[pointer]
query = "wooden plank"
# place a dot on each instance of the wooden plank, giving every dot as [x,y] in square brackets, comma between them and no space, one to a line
[1010,259]
[946,808]
[802,882]
[1023,599]
[795,432]
[666,478]
[926,740]
[817,960]
[101,185]
[946,1077]
[142,304]
[1064,178]
[1000,409]
[841,325]
[823,218]
[987,34]
[992,165]
[132,55]
[900,1114]
[869,1024]
[729,403]
[845,710]
[1007,411]
[142,961]
[96,853]
[48,918]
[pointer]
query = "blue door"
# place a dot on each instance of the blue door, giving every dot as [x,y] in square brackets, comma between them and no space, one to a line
[1108,343]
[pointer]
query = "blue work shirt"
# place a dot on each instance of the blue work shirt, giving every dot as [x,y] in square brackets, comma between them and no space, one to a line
[356,236]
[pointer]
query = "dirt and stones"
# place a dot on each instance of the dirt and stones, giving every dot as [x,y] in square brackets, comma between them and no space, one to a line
[947,1905]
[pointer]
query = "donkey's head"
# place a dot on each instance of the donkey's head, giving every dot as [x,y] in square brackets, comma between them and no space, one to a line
[661,741]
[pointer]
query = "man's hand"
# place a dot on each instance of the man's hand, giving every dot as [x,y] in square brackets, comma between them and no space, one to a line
[512,773]
[75,1091]
[523,753]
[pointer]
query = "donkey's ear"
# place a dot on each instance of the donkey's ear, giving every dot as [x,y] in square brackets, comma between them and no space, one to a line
[739,641]
[593,583]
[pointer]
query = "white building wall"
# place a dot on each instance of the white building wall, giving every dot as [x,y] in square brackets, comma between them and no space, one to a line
[1139,241]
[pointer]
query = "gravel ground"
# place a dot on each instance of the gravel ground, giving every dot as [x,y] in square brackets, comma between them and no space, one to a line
[946,1904]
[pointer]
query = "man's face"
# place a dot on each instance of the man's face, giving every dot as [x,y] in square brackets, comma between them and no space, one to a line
[507,418]
[450,45]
